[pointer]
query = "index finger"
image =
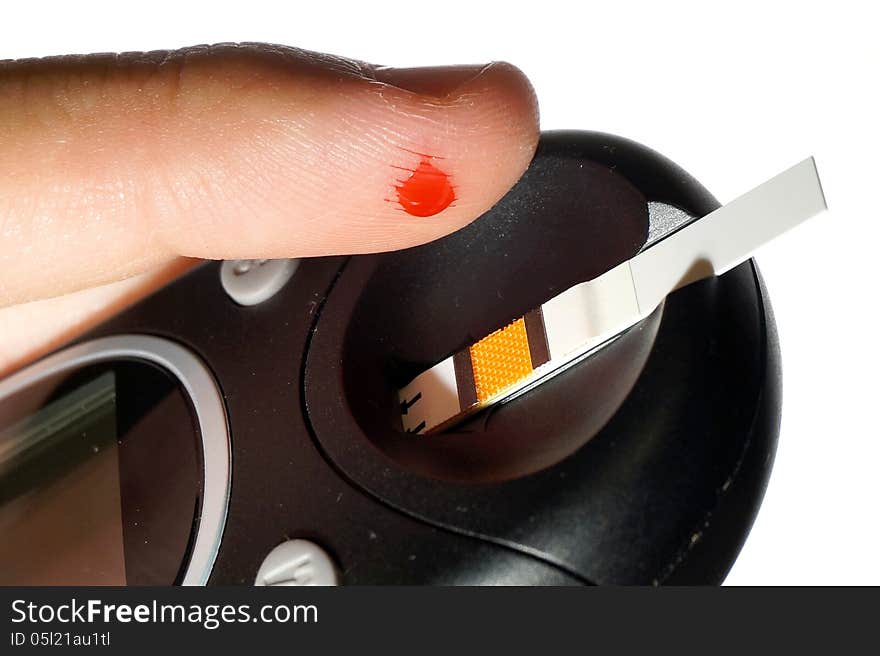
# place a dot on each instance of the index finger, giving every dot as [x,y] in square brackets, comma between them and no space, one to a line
[116,164]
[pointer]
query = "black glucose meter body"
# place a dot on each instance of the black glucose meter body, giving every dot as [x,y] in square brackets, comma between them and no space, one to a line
[252,405]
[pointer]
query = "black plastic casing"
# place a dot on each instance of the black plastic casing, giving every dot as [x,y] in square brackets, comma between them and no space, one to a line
[645,464]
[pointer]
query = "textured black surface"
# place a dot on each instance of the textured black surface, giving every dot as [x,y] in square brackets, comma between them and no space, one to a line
[666,491]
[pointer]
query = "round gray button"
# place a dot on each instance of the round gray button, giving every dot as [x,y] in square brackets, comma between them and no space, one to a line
[297,562]
[249,282]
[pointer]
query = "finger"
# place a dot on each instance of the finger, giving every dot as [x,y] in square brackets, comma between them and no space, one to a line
[116,164]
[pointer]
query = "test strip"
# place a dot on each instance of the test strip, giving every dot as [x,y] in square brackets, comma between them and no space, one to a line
[590,315]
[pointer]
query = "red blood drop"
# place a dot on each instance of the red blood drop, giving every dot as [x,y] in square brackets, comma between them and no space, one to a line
[426,192]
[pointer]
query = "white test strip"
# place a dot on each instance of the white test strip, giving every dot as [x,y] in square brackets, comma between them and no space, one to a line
[591,314]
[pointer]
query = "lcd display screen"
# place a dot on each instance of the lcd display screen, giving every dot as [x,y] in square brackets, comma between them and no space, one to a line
[100,478]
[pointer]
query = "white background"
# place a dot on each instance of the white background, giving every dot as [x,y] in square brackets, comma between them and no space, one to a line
[734,95]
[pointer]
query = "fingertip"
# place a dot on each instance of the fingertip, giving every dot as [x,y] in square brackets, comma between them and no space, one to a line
[470,129]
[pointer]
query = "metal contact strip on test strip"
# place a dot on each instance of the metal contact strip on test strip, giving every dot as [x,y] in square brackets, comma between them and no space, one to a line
[537,336]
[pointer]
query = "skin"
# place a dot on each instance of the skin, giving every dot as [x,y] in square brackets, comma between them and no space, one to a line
[121,171]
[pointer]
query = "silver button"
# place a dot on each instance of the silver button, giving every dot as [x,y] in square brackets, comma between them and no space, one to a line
[297,562]
[249,282]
